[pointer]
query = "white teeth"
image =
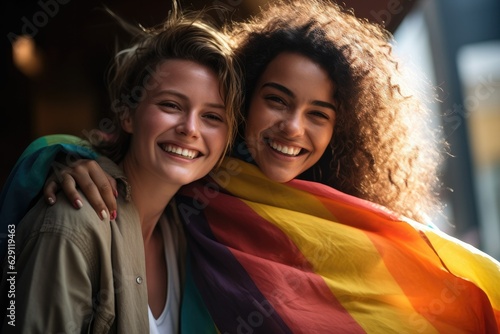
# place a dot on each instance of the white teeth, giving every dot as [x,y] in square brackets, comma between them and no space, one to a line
[180,151]
[288,150]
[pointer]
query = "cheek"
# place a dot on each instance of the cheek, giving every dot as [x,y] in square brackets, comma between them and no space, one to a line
[149,129]
[323,140]
[258,120]
[149,120]
[218,140]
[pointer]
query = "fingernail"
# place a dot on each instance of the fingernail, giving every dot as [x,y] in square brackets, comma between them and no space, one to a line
[113,215]
[78,204]
[115,192]
[104,214]
[51,200]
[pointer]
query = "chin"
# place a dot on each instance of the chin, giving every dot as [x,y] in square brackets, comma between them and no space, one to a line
[278,177]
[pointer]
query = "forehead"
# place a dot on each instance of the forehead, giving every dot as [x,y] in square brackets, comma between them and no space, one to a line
[190,77]
[300,74]
[180,69]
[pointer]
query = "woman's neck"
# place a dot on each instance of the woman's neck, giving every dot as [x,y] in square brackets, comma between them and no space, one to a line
[149,194]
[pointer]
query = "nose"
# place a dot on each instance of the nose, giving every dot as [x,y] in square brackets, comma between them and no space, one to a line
[188,125]
[292,125]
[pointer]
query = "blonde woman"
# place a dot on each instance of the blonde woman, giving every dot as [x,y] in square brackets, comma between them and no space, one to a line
[75,274]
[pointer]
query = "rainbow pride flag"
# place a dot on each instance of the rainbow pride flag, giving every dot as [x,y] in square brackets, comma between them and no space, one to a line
[26,180]
[302,257]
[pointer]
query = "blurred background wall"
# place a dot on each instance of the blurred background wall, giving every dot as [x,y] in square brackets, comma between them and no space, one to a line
[55,54]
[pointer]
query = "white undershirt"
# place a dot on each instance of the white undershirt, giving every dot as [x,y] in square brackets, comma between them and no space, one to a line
[168,321]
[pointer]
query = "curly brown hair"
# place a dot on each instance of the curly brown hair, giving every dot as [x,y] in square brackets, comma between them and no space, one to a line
[383,149]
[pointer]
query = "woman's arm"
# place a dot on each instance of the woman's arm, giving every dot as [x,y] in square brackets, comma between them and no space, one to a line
[48,283]
[53,294]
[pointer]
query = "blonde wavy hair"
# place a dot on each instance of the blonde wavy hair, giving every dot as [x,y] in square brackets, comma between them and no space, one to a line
[383,149]
[185,36]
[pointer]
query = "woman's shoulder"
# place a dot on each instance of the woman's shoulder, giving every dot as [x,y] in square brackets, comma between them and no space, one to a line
[64,220]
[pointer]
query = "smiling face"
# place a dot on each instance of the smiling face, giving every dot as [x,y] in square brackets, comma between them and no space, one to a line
[179,130]
[291,117]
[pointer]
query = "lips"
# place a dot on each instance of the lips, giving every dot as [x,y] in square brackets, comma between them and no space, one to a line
[288,150]
[180,151]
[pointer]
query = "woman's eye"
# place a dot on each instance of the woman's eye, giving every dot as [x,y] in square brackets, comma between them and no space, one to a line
[320,114]
[169,105]
[276,101]
[214,117]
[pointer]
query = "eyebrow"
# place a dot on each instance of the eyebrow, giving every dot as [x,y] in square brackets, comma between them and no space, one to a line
[291,94]
[186,98]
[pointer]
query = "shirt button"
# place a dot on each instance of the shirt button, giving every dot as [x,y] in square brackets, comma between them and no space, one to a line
[138,279]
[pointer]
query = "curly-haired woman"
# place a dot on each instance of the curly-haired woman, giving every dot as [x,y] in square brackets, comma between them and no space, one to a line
[305,228]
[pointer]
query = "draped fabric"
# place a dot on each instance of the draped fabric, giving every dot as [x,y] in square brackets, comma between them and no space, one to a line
[302,257]
[28,176]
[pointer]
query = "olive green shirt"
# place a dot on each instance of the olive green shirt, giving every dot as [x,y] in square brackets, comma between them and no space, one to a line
[75,273]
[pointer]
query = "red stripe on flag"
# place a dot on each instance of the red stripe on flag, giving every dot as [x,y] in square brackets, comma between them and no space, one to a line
[279,269]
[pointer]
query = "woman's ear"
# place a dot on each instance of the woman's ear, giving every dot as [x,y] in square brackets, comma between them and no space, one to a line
[127,122]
